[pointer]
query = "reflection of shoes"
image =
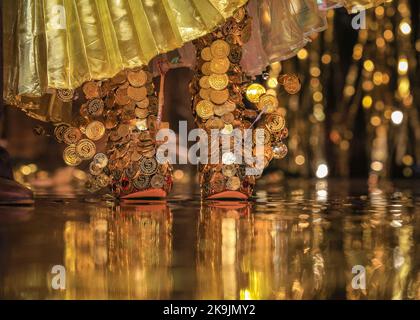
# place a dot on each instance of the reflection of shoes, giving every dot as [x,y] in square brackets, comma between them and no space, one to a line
[13,193]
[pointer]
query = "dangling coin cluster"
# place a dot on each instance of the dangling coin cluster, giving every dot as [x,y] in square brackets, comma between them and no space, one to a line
[218,89]
[124,110]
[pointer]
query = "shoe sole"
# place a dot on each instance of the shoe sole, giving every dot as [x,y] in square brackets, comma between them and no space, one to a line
[226,195]
[146,194]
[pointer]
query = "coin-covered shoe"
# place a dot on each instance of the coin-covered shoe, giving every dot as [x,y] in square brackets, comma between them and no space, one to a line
[119,115]
[227,102]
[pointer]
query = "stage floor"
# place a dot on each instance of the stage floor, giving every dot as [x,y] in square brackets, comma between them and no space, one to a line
[296,239]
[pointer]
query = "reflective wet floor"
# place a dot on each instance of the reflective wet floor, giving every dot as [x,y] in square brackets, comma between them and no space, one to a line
[296,239]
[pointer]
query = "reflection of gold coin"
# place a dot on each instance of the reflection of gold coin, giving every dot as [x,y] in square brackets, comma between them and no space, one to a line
[72,135]
[95,130]
[59,131]
[137,94]
[85,149]
[268,103]
[65,95]
[70,156]
[219,97]
[157,181]
[204,82]
[204,109]
[254,92]
[218,81]
[291,84]
[137,78]
[205,68]
[206,54]
[220,49]
[275,122]
[219,66]
[233,183]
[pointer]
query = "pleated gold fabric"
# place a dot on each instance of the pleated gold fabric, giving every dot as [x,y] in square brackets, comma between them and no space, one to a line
[60,44]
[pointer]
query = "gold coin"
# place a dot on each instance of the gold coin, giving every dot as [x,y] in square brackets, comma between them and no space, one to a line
[220,49]
[119,77]
[204,82]
[157,181]
[235,54]
[219,110]
[101,160]
[262,136]
[148,166]
[85,149]
[275,122]
[59,131]
[205,93]
[217,182]
[94,169]
[268,103]
[204,109]
[205,68]
[123,130]
[70,156]
[291,84]
[206,54]
[254,92]
[95,107]
[219,97]
[141,124]
[142,182]
[137,78]
[220,65]
[95,130]
[218,81]
[91,90]
[229,170]
[233,183]
[65,95]
[141,113]
[121,97]
[143,104]
[228,117]
[72,135]
[227,129]
[230,106]
[137,94]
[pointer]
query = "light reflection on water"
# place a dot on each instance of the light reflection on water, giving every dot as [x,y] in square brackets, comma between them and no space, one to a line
[296,241]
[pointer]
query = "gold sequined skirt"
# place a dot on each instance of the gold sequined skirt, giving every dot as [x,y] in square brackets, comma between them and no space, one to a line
[60,44]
